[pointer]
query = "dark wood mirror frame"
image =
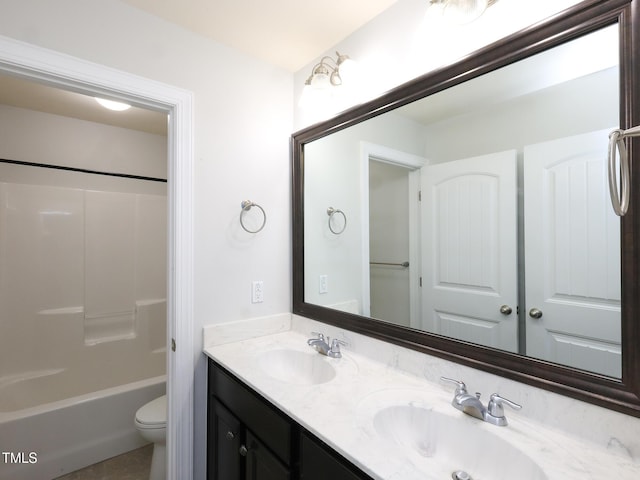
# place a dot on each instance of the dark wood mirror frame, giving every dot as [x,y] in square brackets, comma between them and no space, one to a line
[620,395]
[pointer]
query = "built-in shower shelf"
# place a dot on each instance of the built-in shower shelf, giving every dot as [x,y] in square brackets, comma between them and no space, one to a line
[109,327]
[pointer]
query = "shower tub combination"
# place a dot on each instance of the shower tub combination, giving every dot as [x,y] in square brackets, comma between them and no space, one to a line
[55,437]
[83,317]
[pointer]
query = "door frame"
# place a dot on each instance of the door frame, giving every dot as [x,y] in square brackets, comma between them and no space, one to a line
[59,70]
[413,163]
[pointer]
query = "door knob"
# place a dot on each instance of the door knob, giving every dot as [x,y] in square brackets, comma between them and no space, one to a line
[535,313]
[505,310]
[243,451]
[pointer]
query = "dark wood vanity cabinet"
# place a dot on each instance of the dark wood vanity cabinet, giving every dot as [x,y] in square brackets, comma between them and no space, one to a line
[319,462]
[250,439]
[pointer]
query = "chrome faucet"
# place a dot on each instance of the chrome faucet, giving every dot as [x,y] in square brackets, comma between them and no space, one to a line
[321,346]
[472,405]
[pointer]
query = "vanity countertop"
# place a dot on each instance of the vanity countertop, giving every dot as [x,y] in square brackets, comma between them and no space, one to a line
[341,411]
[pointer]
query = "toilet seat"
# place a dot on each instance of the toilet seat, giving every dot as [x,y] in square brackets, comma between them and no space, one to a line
[153,414]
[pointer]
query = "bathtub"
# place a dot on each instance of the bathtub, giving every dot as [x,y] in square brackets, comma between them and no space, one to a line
[44,441]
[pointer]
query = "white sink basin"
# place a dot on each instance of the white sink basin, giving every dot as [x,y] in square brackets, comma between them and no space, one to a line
[296,367]
[443,444]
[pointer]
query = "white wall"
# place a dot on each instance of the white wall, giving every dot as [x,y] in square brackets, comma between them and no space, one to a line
[241,148]
[229,110]
[404,43]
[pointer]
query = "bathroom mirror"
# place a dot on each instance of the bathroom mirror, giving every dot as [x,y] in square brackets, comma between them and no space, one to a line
[510,257]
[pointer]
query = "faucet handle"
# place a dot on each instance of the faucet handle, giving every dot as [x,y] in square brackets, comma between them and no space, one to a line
[335,347]
[495,409]
[319,335]
[461,387]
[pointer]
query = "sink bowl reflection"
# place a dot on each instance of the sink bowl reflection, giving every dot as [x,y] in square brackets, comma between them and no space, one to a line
[446,444]
[296,367]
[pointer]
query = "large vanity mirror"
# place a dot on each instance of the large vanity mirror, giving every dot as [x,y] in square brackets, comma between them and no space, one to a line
[467,213]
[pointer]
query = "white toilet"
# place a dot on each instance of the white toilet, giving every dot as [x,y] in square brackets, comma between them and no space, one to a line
[151,422]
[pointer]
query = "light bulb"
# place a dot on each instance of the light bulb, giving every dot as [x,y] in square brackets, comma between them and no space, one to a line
[435,8]
[464,11]
[320,81]
[348,71]
[313,97]
[113,105]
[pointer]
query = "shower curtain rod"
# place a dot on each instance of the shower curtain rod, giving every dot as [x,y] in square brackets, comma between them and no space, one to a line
[82,170]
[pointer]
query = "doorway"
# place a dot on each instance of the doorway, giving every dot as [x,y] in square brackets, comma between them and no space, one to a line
[391,253]
[389,264]
[49,67]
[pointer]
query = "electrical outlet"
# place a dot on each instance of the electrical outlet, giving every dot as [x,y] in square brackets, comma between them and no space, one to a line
[257,291]
[323,284]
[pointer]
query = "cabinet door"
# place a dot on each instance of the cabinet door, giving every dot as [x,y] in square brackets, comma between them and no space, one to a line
[254,412]
[318,462]
[261,463]
[226,432]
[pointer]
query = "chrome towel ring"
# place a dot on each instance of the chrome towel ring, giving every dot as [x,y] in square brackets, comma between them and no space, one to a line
[620,196]
[246,206]
[331,212]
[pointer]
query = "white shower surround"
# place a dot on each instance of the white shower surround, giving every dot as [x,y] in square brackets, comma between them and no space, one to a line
[62,70]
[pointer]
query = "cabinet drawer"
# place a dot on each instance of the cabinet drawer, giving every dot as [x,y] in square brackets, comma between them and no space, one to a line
[265,421]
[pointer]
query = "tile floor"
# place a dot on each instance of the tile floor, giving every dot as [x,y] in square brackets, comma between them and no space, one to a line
[133,465]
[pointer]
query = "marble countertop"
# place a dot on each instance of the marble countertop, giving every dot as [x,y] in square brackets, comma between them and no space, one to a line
[341,412]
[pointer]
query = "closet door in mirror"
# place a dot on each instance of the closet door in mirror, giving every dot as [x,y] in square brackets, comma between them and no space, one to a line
[572,255]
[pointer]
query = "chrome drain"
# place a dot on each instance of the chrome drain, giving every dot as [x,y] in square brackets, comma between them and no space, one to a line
[461,475]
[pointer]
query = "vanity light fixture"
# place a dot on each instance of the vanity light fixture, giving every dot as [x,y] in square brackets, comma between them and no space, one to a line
[326,76]
[461,11]
[113,105]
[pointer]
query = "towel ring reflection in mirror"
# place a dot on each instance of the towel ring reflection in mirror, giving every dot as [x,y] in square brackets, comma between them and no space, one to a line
[331,212]
[246,206]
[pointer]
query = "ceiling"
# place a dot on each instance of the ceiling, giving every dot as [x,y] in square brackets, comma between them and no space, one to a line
[286,33]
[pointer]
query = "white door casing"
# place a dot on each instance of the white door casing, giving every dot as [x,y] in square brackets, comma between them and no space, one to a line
[572,255]
[469,239]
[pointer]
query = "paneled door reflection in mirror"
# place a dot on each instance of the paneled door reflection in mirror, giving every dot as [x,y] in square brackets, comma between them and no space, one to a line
[511,241]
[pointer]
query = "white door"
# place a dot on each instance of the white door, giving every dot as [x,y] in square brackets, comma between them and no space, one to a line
[572,255]
[470,250]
